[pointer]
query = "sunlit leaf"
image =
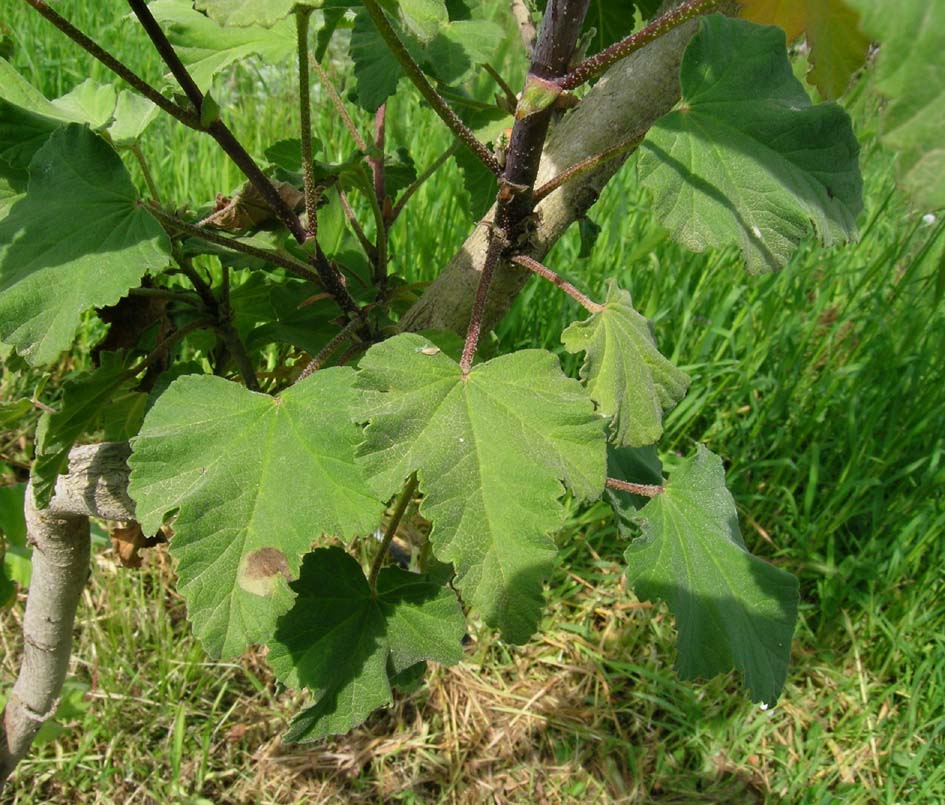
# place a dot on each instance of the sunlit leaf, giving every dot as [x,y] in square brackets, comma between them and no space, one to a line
[911,73]
[257,481]
[494,453]
[745,158]
[628,378]
[76,240]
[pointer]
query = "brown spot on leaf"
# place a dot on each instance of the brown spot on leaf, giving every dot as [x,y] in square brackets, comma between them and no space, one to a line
[260,571]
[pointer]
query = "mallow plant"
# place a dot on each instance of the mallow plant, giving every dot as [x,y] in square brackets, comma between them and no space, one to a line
[274,394]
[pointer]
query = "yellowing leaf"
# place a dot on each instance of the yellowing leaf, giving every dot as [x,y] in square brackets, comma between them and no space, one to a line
[837,45]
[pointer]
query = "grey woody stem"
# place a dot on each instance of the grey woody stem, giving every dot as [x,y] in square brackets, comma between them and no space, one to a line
[533,265]
[415,74]
[96,486]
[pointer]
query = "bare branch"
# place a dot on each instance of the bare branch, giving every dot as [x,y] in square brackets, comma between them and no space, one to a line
[523,18]
[96,486]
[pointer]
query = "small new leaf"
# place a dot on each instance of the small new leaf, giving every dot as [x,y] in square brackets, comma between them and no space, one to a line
[209,111]
[732,609]
[494,453]
[538,95]
[628,378]
[256,480]
[344,643]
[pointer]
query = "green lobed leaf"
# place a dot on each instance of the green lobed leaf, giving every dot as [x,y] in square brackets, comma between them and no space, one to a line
[459,47]
[837,46]
[257,480]
[745,158]
[89,102]
[376,69]
[910,72]
[242,13]
[76,240]
[27,119]
[83,400]
[12,412]
[493,452]
[18,91]
[732,609]
[345,643]
[206,48]
[133,114]
[628,378]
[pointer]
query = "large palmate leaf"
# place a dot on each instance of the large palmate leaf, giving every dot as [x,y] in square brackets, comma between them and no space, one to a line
[257,480]
[83,400]
[493,452]
[628,378]
[838,47]
[732,610]
[745,158]
[76,240]
[911,73]
[345,643]
[206,48]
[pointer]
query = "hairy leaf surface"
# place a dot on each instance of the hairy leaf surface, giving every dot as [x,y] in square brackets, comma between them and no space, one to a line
[241,13]
[257,481]
[838,47]
[628,378]
[494,453]
[911,72]
[76,240]
[732,609]
[745,158]
[344,643]
[206,48]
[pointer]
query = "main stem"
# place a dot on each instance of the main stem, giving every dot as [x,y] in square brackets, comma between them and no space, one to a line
[515,202]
